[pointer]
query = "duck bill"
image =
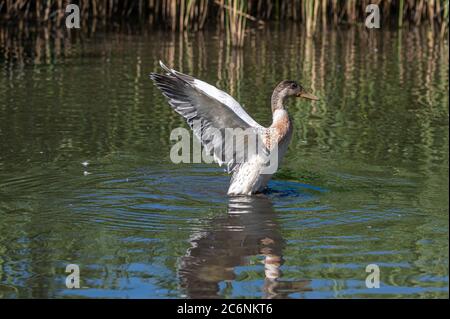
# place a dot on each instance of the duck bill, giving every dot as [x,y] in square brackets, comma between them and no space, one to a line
[308,96]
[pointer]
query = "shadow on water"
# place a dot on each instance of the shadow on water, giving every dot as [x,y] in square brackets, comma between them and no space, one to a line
[248,235]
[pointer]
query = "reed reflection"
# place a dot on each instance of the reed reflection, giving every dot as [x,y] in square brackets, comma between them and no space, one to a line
[247,235]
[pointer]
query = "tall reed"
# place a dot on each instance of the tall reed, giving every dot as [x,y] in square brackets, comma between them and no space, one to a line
[235,21]
[231,15]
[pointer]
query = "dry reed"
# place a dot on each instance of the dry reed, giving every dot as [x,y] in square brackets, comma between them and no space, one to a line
[231,15]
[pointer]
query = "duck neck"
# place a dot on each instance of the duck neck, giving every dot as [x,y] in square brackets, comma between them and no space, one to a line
[280,117]
[277,101]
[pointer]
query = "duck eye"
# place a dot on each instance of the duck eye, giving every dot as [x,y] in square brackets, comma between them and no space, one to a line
[294,86]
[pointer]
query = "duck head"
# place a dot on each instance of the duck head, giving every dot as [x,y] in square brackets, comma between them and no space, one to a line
[287,89]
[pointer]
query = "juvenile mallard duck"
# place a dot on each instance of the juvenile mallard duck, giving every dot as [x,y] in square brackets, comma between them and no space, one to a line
[212,113]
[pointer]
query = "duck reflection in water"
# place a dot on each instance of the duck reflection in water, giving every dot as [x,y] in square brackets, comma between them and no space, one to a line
[250,229]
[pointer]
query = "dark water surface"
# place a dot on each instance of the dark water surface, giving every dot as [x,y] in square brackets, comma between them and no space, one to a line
[365,180]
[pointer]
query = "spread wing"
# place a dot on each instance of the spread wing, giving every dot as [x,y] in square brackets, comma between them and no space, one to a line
[212,114]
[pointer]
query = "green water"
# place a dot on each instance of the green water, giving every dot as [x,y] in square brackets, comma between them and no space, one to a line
[365,180]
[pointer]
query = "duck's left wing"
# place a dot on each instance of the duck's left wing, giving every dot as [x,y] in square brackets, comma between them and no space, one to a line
[208,91]
[214,109]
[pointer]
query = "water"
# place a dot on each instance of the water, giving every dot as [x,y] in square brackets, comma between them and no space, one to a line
[86,179]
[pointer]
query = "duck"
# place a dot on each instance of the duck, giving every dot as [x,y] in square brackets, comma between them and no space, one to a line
[251,152]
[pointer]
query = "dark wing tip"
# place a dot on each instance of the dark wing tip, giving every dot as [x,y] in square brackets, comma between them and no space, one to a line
[171,72]
[155,76]
[164,67]
[158,78]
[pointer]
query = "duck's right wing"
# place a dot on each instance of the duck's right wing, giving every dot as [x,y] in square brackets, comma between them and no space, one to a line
[208,111]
